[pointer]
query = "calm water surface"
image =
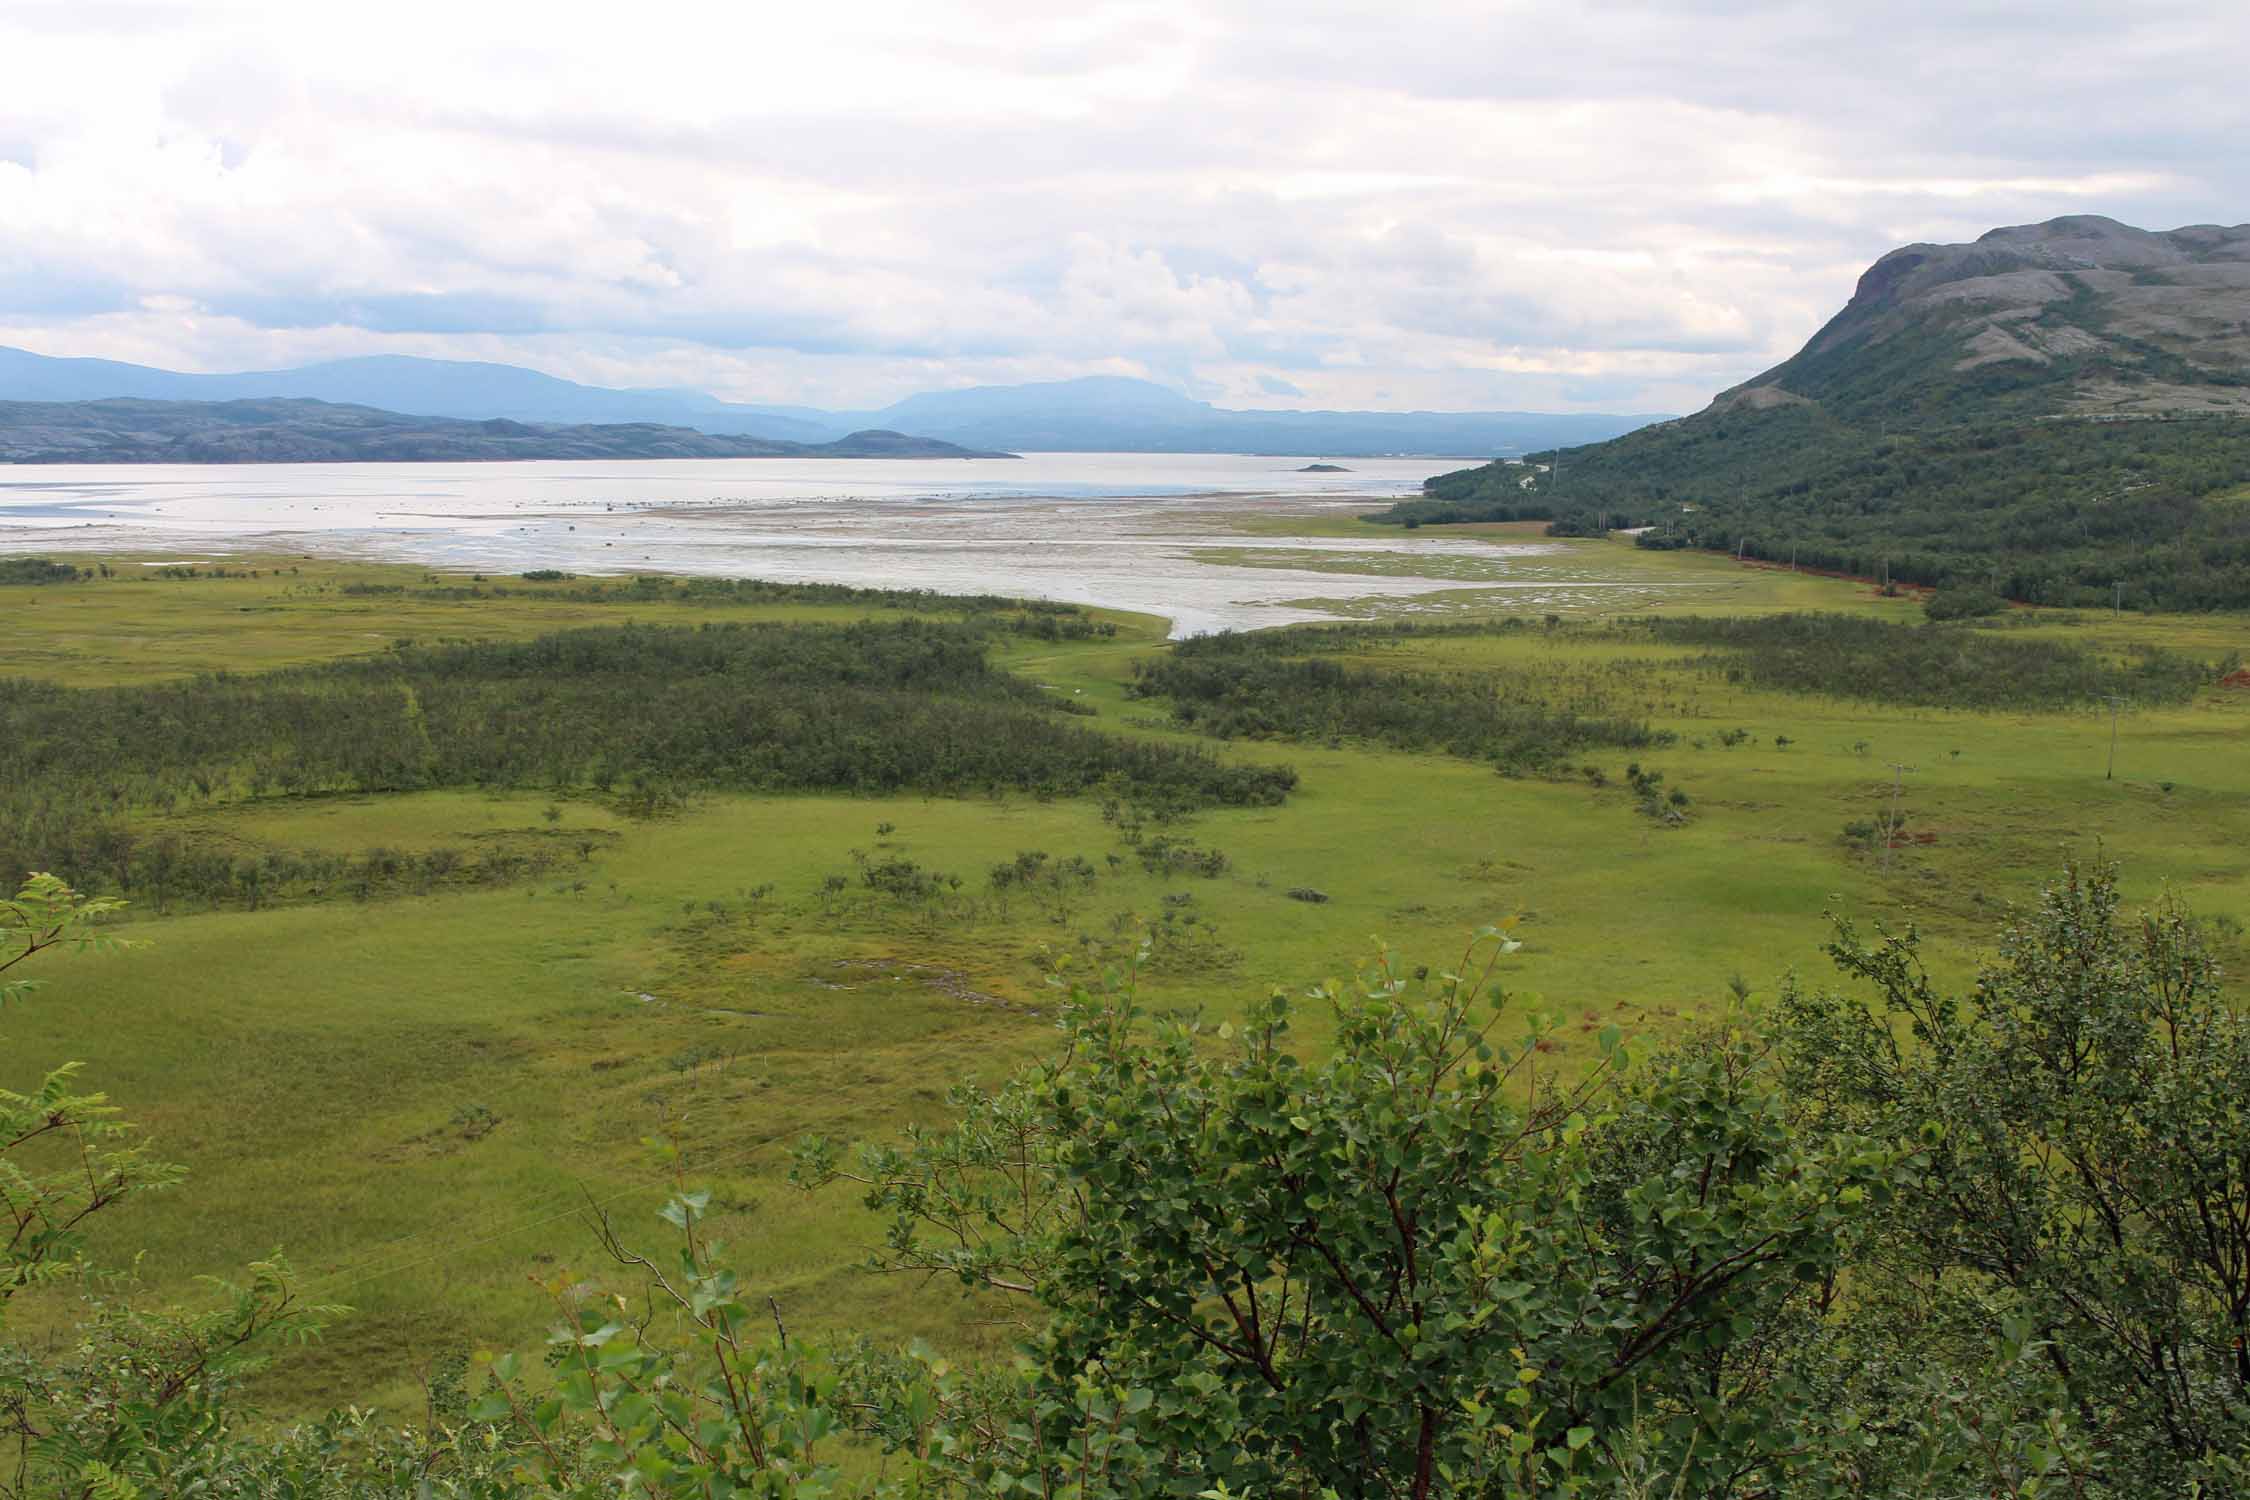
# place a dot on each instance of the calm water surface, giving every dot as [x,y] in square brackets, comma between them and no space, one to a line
[1098,528]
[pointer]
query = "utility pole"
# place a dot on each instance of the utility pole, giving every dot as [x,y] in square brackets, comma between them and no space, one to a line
[2116,706]
[1792,557]
[1890,832]
[2117,602]
[1740,543]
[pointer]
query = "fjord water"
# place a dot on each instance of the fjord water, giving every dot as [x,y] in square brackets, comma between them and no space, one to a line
[1099,528]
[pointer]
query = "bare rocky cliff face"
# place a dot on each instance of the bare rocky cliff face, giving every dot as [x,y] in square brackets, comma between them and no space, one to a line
[2079,315]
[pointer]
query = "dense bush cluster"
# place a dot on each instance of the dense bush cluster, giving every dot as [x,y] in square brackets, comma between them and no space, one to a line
[166,870]
[1045,619]
[644,713]
[1251,687]
[1277,684]
[1852,656]
[35,570]
[1963,602]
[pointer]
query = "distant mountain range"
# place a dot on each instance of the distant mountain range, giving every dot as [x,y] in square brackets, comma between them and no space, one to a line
[1103,413]
[469,390]
[296,430]
[2058,412]
[1092,415]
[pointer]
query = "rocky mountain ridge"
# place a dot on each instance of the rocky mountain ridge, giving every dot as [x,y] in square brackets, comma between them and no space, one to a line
[2080,315]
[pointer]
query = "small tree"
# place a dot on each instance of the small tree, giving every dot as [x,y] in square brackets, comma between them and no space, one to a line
[1432,1262]
[64,1155]
[2089,1187]
[1963,602]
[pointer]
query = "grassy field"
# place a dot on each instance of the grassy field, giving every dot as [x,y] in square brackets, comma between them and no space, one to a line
[300,610]
[1576,578]
[420,1098]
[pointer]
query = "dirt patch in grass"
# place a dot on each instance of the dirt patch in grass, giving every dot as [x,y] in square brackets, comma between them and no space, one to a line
[949,982]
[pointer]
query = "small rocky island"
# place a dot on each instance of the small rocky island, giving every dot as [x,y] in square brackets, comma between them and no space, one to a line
[1324,469]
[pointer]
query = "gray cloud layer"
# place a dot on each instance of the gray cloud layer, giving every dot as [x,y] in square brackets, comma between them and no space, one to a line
[1523,204]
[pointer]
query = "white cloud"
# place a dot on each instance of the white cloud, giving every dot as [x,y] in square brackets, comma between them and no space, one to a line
[1419,202]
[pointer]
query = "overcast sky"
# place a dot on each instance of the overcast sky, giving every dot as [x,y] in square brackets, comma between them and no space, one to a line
[1478,204]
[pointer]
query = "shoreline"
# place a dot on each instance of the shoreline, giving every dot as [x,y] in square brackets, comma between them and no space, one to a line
[1132,547]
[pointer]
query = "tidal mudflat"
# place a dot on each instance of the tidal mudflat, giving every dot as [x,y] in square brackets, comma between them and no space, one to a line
[1160,534]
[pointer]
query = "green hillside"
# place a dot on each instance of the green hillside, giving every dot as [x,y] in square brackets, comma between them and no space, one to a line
[2051,411]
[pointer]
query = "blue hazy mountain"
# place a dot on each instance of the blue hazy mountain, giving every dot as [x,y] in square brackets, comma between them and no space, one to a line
[469,390]
[1095,414]
[298,430]
[1103,413]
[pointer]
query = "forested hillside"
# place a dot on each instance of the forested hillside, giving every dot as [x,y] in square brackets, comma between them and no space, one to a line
[2050,412]
[2049,512]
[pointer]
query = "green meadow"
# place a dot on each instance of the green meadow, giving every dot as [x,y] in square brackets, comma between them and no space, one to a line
[421,1095]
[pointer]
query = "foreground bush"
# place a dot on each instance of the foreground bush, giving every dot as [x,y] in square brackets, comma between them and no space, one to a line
[2088,1196]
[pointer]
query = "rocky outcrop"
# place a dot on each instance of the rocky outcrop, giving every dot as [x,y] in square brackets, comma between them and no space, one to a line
[2079,315]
